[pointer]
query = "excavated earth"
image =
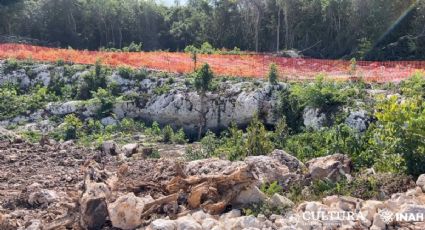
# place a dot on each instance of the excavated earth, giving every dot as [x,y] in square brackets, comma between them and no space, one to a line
[58,169]
[52,185]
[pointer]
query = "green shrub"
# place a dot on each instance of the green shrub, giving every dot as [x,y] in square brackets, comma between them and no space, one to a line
[155,154]
[13,103]
[323,94]
[72,127]
[133,47]
[207,48]
[125,72]
[180,137]
[98,68]
[203,78]
[167,134]
[106,101]
[271,188]
[280,134]
[56,84]
[273,74]
[156,130]
[414,86]
[338,139]
[160,90]
[60,62]
[130,125]
[91,83]
[114,88]
[290,107]
[233,145]
[398,141]
[140,74]
[11,65]
[32,136]
[264,209]
[192,154]
[257,143]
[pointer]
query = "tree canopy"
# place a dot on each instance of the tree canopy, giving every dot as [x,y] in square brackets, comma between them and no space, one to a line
[372,29]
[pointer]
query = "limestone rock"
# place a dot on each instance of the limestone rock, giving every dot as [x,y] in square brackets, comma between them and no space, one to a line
[293,164]
[211,166]
[130,149]
[108,121]
[125,212]
[368,210]
[248,222]
[268,169]
[313,118]
[93,207]
[64,108]
[331,167]
[421,182]
[109,147]
[232,214]
[187,223]
[280,202]
[161,224]
[209,223]
[34,225]
[358,120]
[412,210]
[199,216]
[42,197]
[378,222]
[250,195]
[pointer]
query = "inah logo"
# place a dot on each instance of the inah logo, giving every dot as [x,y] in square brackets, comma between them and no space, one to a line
[386,215]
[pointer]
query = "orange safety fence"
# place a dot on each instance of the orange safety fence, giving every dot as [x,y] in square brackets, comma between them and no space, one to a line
[245,65]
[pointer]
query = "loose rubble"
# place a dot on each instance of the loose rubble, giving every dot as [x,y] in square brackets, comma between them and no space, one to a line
[60,185]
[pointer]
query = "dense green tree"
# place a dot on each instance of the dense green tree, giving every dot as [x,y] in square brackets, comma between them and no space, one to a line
[375,29]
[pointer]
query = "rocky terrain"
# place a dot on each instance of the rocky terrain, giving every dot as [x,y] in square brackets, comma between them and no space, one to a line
[53,185]
[89,147]
[164,98]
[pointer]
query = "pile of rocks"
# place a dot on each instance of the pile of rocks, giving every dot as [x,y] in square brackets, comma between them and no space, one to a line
[402,211]
[43,187]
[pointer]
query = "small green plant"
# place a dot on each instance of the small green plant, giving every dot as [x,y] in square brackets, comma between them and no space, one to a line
[11,65]
[160,90]
[280,134]
[234,145]
[180,137]
[273,74]
[155,154]
[133,47]
[92,81]
[140,74]
[98,68]
[193,154]
[156,130]
[106,101]
[193,54]
[125,72]
[257,143]
[271,189]
[72,127]
[60,62]
[167,134]
[32,136]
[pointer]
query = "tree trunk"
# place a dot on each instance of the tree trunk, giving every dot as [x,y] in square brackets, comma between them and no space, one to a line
[257,28]
[278,30]
[286,26]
